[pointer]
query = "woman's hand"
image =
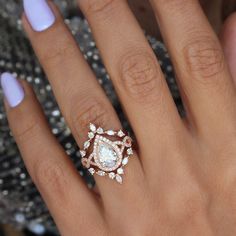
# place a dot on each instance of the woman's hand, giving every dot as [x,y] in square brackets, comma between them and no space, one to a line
[181,180]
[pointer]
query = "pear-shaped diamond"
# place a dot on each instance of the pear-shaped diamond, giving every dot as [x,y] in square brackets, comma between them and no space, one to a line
[107,155]
[100,130]
[91,135]
[120,171]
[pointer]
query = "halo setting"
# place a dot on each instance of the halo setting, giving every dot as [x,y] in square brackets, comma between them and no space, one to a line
[106,153]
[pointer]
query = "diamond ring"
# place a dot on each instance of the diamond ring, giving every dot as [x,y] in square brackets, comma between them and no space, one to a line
[106,153]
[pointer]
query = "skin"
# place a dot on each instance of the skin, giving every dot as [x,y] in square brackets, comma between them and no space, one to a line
[216,11]
[181,180]
[228,40]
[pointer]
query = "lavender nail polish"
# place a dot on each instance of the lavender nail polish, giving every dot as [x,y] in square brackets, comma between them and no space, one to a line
[12,89]
[39,14]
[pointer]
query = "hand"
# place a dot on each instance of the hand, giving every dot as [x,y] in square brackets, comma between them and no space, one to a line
[181,180]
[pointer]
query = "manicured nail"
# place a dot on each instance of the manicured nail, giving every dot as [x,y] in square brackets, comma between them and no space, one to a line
[39,14]
[12,89]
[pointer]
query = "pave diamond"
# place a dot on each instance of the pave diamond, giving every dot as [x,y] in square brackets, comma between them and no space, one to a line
[107,155]
[101,173]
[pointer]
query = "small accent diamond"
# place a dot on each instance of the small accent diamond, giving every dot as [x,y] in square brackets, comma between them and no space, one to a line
[92,171]
[121,133]
[101,173]
[120,171]
[130,151]
[91,135]
[86,144]
[92,127]
[112,175]
[110,132]
[100,130]
[82,153]
[125,161]
[119,179]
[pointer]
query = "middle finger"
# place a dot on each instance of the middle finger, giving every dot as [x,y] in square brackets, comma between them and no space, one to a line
[135,72]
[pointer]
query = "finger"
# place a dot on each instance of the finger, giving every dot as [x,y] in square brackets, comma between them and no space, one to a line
[78,93]
[47,163]
[199,64]
[228,40]
[135,73]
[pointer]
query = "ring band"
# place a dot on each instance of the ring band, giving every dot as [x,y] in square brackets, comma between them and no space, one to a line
[106,153]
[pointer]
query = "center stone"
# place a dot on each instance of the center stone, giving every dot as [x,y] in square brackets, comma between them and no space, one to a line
[107,155]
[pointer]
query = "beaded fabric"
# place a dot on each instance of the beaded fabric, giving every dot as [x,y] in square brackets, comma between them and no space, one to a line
[20,202]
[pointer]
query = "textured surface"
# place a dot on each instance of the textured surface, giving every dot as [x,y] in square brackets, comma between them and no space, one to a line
[20,203]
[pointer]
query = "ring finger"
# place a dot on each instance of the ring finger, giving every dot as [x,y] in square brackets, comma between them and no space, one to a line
[136,75]
[79,95]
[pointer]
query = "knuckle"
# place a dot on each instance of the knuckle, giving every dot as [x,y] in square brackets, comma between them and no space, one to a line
[174,5]
[57,52]
[50,177]
[189,207]
[204,58]
[140,77]
[99,6]
[88,110]
[28,128]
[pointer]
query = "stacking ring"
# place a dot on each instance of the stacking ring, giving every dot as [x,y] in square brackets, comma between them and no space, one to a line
[106,153]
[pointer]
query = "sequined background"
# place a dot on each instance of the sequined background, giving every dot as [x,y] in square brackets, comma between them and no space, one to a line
[20,202]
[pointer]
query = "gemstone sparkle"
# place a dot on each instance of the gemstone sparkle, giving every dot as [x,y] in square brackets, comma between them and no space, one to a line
[107,155]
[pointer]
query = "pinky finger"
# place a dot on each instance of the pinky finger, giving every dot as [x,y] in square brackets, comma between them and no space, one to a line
[50,168]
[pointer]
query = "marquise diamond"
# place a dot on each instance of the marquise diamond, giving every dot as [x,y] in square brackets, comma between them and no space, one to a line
[110,132]
[86,144]
[121,133]
[82,153]
[125,161]
[92,127]
[119,179]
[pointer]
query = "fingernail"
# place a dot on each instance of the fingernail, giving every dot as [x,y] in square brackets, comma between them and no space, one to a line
[12,89]
[39,14]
